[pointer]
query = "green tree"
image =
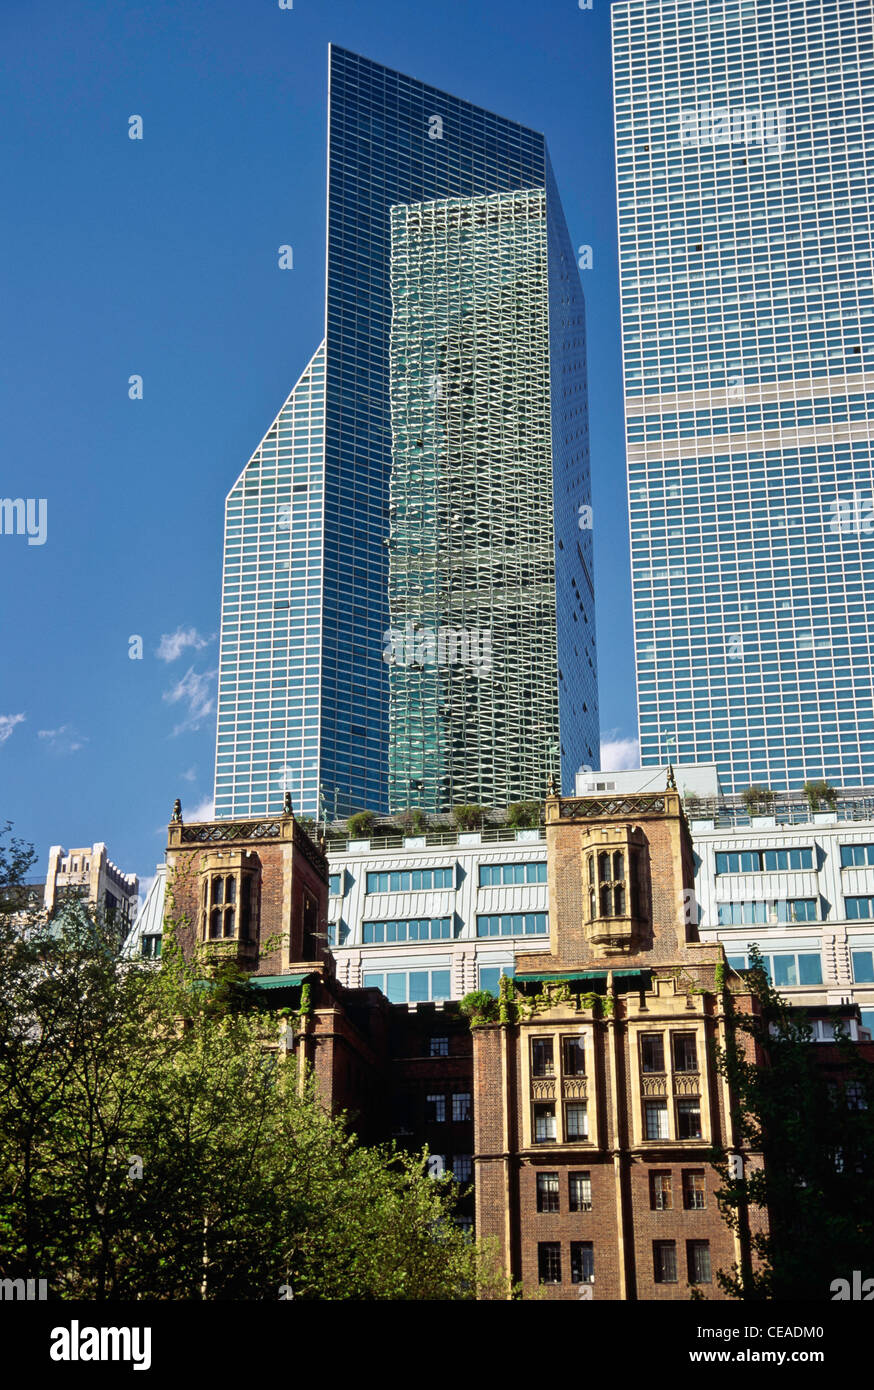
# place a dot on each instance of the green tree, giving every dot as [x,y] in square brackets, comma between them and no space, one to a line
[468,817]
[757,798]
[819,791]
[154,1142]
[362,824]
[812,1117]
[524,815]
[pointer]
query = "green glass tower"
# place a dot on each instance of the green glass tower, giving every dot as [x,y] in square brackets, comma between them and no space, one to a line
[473,714]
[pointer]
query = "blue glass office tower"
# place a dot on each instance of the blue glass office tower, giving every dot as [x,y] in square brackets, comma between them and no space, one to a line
[304,691]
[744,154]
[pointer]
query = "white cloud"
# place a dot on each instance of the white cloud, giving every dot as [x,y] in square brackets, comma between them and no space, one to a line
[63,739]
[7,724]
[205,810]
[173,644]
[194,687]
[190,775]
[619,754]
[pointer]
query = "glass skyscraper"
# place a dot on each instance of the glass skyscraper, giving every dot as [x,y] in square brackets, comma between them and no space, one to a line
[744,158]
[315,532]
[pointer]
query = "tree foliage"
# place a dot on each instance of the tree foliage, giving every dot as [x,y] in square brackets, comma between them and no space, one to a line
[809,1109]
[154,1143]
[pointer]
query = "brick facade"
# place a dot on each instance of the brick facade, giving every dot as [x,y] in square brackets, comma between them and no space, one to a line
[600,1081]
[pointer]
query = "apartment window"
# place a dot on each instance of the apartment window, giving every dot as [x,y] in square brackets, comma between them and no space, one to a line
[854,1093]
[698,1261]
[613,874]
[863,967]
[661,1192]
[494,875]
[462,1167]
[689,1119]
[547,1191]
[334,885]
[219,901]
[542,1061]
[410,986]
[574,1056]
[407,929]
[664,1260]
[582,1262]
[576,1121]
[438,1047]
[490,976]
[460,1107]
[150,947]
[856,856]
[549,1262]
[310,921]
[685,1052]
[693,1189]
[656,1119]
[544,1123]
[580,1191]
[750,861]
[767,911]
[652,1052]
[435,1109]
[409,880]
[512,924]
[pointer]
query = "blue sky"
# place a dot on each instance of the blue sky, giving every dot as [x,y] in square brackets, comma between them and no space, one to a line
[159,257]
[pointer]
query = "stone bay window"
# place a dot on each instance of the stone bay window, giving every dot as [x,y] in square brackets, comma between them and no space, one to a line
[229,898]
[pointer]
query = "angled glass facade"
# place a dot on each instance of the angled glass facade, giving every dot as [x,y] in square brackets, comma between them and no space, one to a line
[473,713]
[269,663]
[744,155]
[391,141]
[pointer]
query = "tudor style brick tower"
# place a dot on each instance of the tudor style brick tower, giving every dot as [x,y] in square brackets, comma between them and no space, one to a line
[255,892]
[596,1097]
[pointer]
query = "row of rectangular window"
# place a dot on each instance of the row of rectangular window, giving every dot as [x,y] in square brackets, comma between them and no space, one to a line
[751,911]
[576,1122]
[785,969]
[582,1262]
[435,1107]
[416,880]
[687,1118]
[684,1049]
[573,1056]
[661,1191]
[443,928]
[750,861]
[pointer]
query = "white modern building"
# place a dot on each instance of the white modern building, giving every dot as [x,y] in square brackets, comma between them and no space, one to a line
[438,915]
[795,882]
[803,893]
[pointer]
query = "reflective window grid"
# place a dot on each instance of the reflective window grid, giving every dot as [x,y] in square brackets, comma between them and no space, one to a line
[743,166]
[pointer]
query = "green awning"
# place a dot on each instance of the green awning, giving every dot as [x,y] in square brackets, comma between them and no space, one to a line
[586,975]
[279,981]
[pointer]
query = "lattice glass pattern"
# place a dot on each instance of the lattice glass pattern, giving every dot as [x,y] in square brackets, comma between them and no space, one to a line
[268,697]
[745,156]
[471,545]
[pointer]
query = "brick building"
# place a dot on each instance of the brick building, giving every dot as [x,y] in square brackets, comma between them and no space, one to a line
[256,893]
[596,1098]
[582,1109]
